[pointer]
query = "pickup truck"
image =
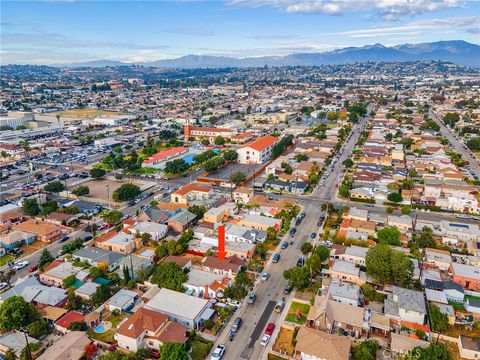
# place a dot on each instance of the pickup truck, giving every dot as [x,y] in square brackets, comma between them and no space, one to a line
[280,305]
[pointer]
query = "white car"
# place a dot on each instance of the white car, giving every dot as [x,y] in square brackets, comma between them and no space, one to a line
[3,285]
[265,340]
[20,265]
[218,352]
[265,276]
[232,302]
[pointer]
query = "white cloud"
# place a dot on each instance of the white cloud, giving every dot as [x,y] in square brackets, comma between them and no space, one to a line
[387,9]
[414,28]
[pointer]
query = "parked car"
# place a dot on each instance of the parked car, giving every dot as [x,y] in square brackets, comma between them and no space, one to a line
[265,276]
[237,323]
[276,258]
[33,268]
[63,239]
[234,303]
[217,354]
[313,235]
[265,340]
[288,289]
[87,238]
[20,265]
[251,298]
[300,262]
[284,245]
[3,285]
[269,329]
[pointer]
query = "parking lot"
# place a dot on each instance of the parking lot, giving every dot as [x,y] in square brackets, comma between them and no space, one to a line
[227,171]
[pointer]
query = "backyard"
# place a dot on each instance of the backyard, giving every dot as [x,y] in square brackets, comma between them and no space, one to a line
[297,313]
[106,337]
[5,259]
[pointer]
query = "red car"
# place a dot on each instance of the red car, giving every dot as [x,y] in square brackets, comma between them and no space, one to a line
[269,329]
[33,268]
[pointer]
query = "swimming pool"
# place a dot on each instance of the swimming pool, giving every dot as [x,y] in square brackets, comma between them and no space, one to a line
[99,328]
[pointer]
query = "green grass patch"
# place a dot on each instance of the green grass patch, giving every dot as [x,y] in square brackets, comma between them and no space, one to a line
[293,311]
[116,319]
[473,297]
[145,170]
[457,306]
[200,348]
[271,356]
[102,165]
[106,337]
[5,259]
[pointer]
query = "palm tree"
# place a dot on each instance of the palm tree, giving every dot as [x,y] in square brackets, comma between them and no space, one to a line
[26,145]
[5,156]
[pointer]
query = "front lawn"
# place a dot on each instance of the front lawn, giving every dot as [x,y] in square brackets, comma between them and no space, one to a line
[5,259]
[298,313]
[200,348]
[285,341]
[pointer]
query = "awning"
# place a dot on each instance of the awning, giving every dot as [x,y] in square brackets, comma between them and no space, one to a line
[207,314]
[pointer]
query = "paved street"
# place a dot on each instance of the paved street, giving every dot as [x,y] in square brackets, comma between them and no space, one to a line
[457,145]
[246,344]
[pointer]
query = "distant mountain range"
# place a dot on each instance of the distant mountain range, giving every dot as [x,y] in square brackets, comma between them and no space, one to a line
[457,51]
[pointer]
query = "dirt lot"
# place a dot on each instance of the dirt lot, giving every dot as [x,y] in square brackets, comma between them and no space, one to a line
[99,192]
[284,343]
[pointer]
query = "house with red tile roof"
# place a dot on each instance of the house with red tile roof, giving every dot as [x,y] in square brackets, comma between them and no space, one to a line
[257,151]
[66,320]
[148,328]
[158,159]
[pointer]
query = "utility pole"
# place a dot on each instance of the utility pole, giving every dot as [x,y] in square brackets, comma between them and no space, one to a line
[28,353]
[108,197]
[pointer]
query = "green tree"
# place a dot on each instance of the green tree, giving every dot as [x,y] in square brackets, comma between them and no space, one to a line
[176,166]
[10,355]
[388,266]
[426,238]
[49,207]
[81,190]
[366,350]
[230,155]
[301,157]
[394,197]
[30,207]
[298,277]
[38,328]
[78,326]
[348,163]
[112,216]
[344,191]
[126,192]
[406,210]
[97,173]
[438,319]
[435,351]
[126,274]
[169,275]
[240,287]
[323,252]
[45,258]
[69,280]
[198,210]
[16,313]
[173,351]
[238,178]
[219,141]
[54,187]
[306,248]
[102,294]
[389,235]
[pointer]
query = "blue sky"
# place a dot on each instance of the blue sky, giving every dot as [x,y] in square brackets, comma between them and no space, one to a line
[56,31]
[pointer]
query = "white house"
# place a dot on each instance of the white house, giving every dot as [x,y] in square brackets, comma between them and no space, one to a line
[258,151]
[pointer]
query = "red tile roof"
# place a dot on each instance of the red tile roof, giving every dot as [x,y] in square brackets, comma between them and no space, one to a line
[165,154]
[261,143]
[69,318]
